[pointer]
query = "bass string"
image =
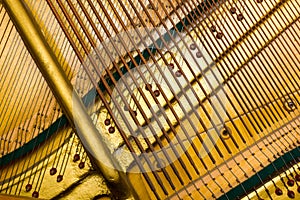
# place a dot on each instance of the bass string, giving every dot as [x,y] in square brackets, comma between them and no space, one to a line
[149,143]
[60,157]
[161,89]
[154,61]
[100,94]
[48,108]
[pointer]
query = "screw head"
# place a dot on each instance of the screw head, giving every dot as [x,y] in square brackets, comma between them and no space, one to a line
[148,87]
[290,182]
[193,46]
[171,65]
[178,73]
[297,177]
[199,54]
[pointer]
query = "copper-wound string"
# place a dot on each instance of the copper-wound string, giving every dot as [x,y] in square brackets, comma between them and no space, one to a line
[107,105]
[163,92]
[157,48]
[149,144]
[169,123]
[12,114]
[161,89]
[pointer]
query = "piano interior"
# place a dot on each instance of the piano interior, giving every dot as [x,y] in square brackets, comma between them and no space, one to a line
[149,99]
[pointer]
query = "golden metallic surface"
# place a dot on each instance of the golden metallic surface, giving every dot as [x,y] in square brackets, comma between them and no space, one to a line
[85,188]
[214,179]
[270,186]
[66,96]
[10,197]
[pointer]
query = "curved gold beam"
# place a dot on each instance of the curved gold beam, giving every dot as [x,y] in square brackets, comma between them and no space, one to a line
[68,98]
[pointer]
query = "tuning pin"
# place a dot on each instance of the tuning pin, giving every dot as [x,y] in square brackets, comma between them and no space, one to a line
[259,1]
[291,194]
[278,191]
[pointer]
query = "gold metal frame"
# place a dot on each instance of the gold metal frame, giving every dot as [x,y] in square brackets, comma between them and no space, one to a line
[68,98]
